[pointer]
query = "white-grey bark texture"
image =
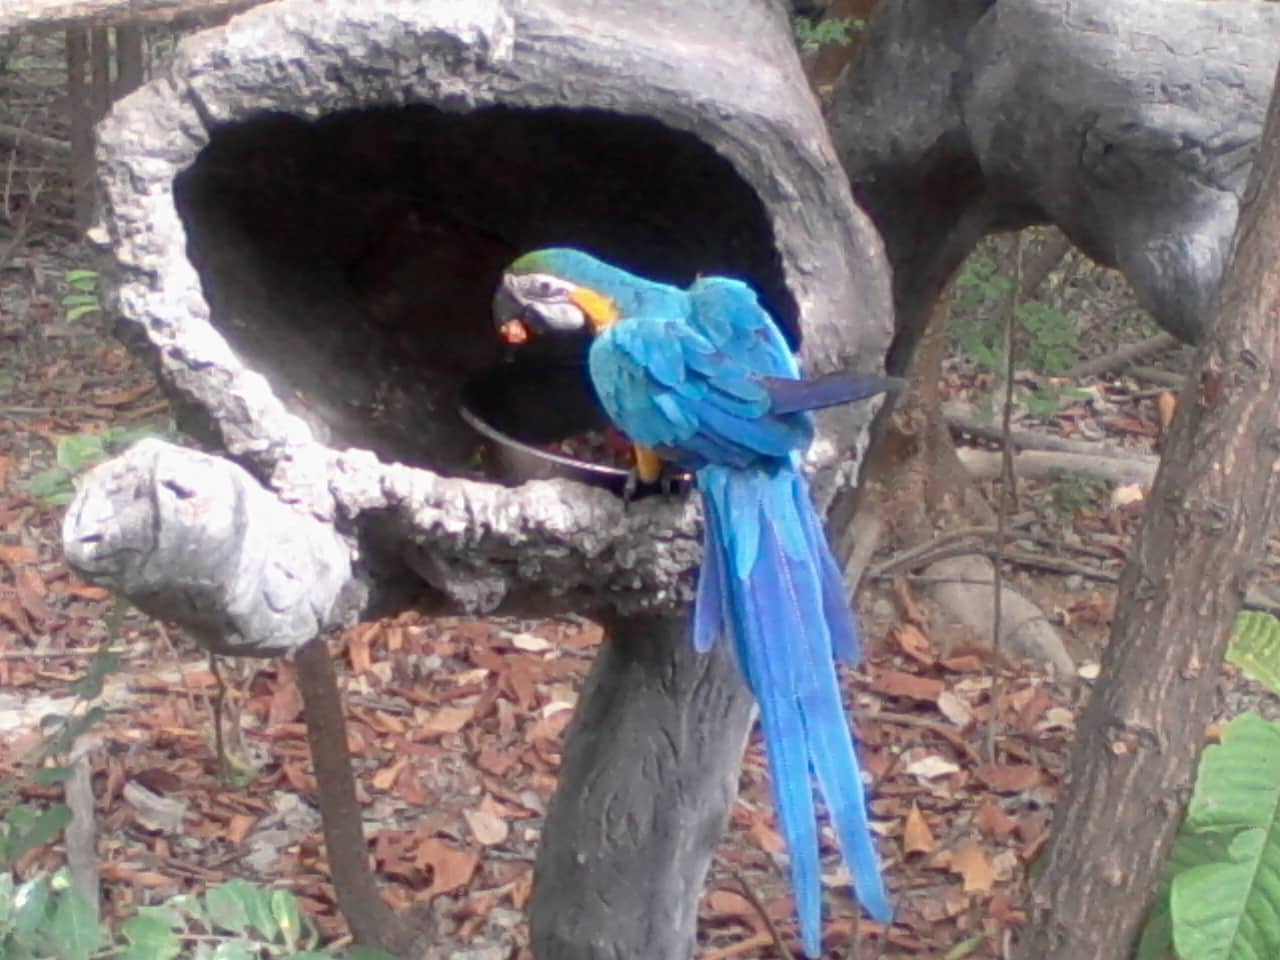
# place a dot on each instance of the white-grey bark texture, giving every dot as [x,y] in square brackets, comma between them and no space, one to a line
[308,215]
[1131,126]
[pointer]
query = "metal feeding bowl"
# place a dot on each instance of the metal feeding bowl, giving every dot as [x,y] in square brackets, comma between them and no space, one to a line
[522,409]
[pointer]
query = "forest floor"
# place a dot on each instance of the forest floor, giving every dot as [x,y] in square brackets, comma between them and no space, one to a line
[455,724]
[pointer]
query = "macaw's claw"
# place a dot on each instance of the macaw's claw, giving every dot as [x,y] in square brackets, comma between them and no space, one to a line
[672,481]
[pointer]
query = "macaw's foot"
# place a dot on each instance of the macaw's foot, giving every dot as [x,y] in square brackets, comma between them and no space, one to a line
[671,481]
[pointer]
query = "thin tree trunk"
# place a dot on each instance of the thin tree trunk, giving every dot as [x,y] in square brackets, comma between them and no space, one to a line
[80,117]
[649,776]
[131,60]
[1210,512]
[372,922]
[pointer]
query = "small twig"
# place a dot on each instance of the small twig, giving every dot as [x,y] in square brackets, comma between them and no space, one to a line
[1008,497]
[56,654]
[923,554]
[754,899]
[216,703]
[1122,356]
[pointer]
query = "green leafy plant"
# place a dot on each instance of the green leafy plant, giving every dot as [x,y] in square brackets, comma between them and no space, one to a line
[1221,896]
[48,919]
[1074,493]
[813,33]
[84,298]
[1255,648]
[1046,337]
[78,452]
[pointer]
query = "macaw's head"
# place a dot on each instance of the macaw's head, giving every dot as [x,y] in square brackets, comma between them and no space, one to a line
[559,290]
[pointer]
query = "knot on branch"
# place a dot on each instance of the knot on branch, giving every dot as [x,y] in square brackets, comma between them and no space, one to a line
[196,540]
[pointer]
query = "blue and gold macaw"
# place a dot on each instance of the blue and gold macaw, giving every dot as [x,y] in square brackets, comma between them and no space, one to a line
[702,377]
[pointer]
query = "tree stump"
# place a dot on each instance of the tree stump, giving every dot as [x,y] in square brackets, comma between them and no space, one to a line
[308,217]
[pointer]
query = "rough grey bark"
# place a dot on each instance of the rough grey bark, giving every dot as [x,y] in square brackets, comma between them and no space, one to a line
[308,217]
[1130,126]
[195,539]
[653,711]
[1212,509]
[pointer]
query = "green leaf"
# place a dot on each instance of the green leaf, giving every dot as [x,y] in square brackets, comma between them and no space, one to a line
[50,483]
[258,907]
[1226,910]
[7,906]
[73,929]
[46,827]
[81,300]
[103,665]
[228,905]
[48,776]
[152,938]
[75,313]
[284,909]
[1255,648]
[234,950]
[375,953]
[165,914]
[79,450]
[77,277]
[1190,850]
[31,906]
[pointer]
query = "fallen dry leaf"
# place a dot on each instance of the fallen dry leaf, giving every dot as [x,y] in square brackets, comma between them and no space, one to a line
[1009,778]
[955,709]
[730,905]
[446,720]
[1126,494]
[239,826]
[916,835]
[932,766]
[895,683]
[1166,407]
[974,866]
[384,778]
[451,867]
[488,828]
[992,820]
[914,642]
[18,554]
[529,643]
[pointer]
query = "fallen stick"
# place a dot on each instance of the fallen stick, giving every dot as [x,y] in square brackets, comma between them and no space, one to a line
[1055,465]
[18,138]
[1034,440]
[1123,356]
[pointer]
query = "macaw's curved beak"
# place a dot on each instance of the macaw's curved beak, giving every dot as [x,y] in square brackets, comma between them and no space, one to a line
[514,331]
[508,315]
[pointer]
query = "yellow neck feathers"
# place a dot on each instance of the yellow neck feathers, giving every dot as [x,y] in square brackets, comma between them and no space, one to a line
[601,312]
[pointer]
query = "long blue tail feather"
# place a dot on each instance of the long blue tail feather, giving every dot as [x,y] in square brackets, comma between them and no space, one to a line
[780,593]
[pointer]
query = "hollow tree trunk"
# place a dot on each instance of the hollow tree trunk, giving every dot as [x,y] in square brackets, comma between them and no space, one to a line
[649,776]
[1212,508]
